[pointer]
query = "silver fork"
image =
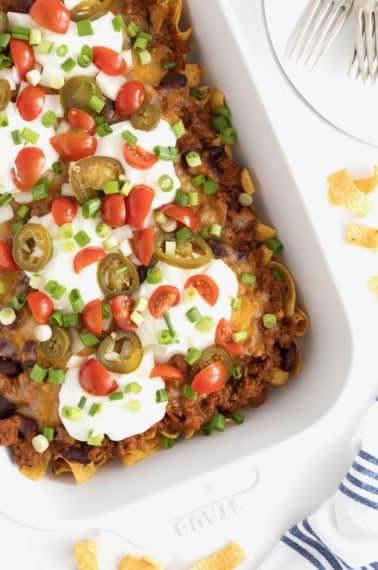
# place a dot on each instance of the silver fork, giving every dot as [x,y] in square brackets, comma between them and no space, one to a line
[317,29]
[365,54]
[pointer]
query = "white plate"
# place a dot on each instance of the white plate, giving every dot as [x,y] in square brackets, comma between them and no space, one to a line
[348,104]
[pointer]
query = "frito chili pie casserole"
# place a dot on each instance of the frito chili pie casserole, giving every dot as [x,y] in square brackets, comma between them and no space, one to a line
[142,298]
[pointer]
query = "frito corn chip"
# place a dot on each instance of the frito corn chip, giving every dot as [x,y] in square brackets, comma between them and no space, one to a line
[343,192]
[369,184]
[246,182]
[364,236]
[373,284]
[37,471]
[85,553]
[227,558]
[130,562]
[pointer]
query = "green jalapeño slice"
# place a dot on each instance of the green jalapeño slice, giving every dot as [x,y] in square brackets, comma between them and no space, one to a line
[32,247]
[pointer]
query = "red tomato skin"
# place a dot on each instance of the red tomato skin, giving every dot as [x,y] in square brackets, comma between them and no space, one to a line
[167,371]
[182,214]
[22,55]
[92,317]
[143,245]
[41,306]
[63,210]
[87,256]
[129,98]
[113,210]
[108,61]
[122,307]
[7,263]
[74,145]
[138,157]
[138,204]
[29,165]
[223,334]
[80,119]
[162,299]
[30,102]
[51,14]
[95,379]
[205,286]
[210,379]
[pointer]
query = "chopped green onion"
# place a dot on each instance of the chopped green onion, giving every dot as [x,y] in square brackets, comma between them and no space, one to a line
[84,28]
[219,123]
[140,44]
[29,135]
[269,320]
[68,245]
[104,130]
[144,57]
[248,278]
[206,429]
[153,275]
[61,50]
[204,232]
[22,211]
[68,65]
[193,314]
[16,226]
[205,324]
[7,316]
[224,111]
[193,199]
[129,137]
[245,199]
[91,207]
[277,275]
[49,119]
[4,40]
[111,187]
[181,198]
[89,339]
[5,199]
[146,35]
[35,36]
[133,406]
[76,300]
[198,180]
[82,402]
[239,336]
[161,396]
[71,413]
[196,93]
[2,288]
[55,289]
[164,337]
[39,192]
[178,129]
[20,33]
[48,432]
[19,300]
[183,234]
[106,311]
[218,421]
[96,103]
[82,238]
[193,159]
[274,244]
[166,152]
[38,373]
[229,136]
[132,29]
[169,324]
[103,230]
[16,136]
[95,409]
[166,442]
[169,65]
[85,56]
[118,23]
[56,376]
[133,388]
[192,355]
[56,317]
[215,230]
[189,393]
[5,61]
[236,303]
[115,396]
[209,187]
[71,320]
[95,439]
[165,183]
[238,418]
[3,119]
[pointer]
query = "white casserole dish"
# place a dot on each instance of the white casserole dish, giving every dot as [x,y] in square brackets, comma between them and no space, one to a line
[288,411]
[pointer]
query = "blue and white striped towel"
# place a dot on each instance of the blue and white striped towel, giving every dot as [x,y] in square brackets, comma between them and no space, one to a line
[343,532]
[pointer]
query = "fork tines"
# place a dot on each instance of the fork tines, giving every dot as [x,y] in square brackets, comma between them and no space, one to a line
[319,26]
[364,62]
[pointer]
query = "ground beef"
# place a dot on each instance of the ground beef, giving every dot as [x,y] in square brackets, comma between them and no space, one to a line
[10,430]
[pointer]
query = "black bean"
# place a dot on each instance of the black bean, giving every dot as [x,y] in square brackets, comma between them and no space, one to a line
[212,154]
[6,348]
[6,408]
[288,356]
[9,367]
[220,249]
[76,454]
[28,426]
[28,356]
[24,5]
[173,80]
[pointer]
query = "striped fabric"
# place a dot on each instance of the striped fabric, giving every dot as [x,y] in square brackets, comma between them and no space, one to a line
[343,532]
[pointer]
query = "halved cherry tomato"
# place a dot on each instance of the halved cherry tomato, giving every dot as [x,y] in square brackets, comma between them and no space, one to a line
[74,145]
[167,371]
[205,286]
[30,102]
[182,214]
[40,305]
[109,61]
[113,210]
[143,244]
[79,119]
[7,263]
[138,157]
[92,317]
[95,379]
[138,204]
[63,210]
[122,306]
[23,56]
[129,98]
[29,165]
[87,256]
[162,299]
[51,14]
[223,337]
[210,378]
